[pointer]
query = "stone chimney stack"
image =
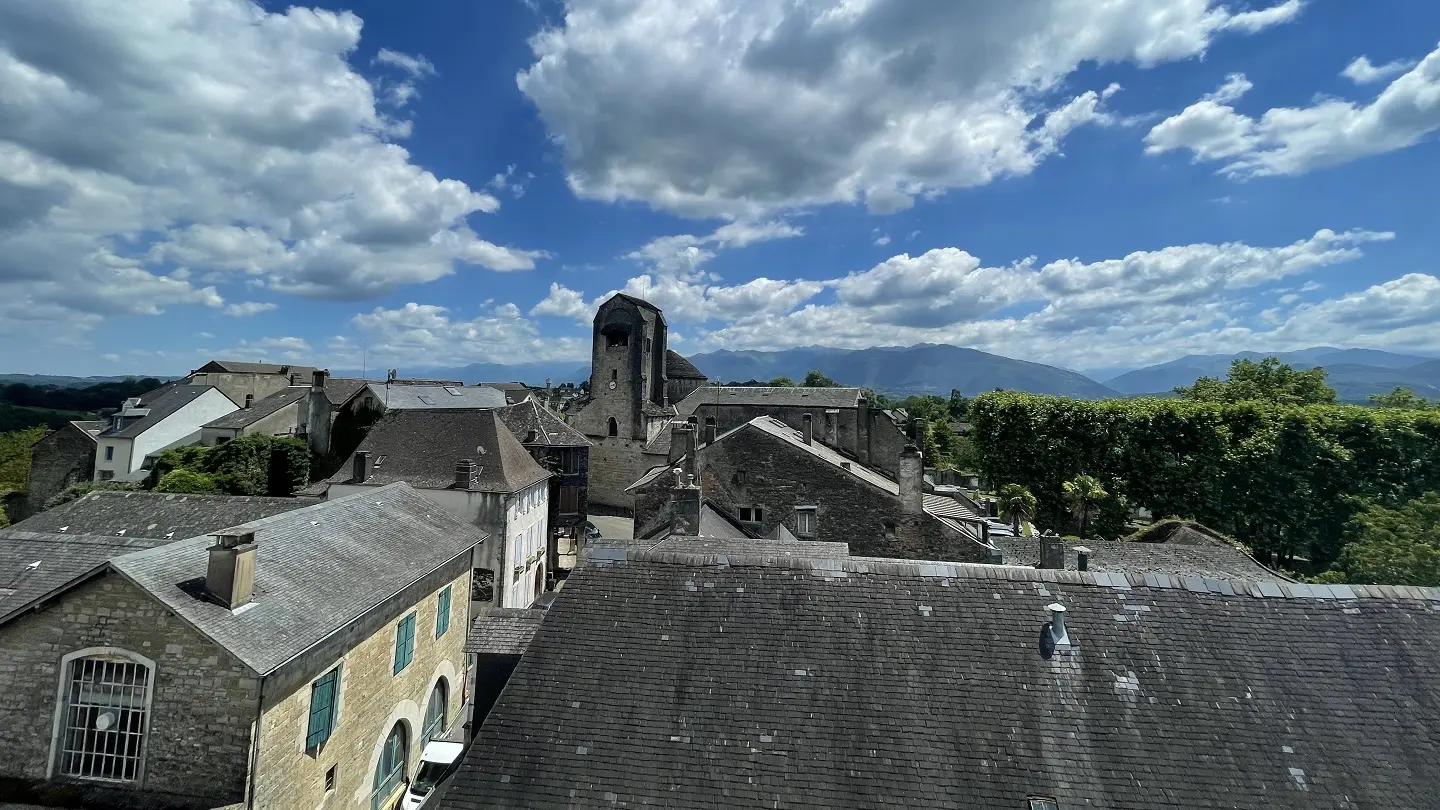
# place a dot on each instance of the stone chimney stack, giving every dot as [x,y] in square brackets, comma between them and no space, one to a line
[317,421]
[710,431]
[917,431]
[464,473]
[862,431]
[230,576]
[361,473]
[1052,552]
[684,505]
[808,428]
[832,427]
[682,446]
[912,481]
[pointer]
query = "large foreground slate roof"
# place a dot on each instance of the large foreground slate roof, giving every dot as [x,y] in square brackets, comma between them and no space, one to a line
[34,565]
[1213,560]
[316,570]
[164,516]
[679,681]
[421,448]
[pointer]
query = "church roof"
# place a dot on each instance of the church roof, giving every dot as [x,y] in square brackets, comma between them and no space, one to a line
[678,368]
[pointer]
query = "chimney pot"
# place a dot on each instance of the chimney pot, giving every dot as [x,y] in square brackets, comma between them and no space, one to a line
[862,430]
[1082,557]
[808,429]
[361,473]
[1052,552]
[911,480]
[464,472]
[1058,633]
[831,427]
[709,430]
[230,574]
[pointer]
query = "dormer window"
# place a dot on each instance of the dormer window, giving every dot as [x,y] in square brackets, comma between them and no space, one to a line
[1044,803]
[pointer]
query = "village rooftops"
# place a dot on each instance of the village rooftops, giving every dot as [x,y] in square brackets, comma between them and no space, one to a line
[503,631]
[241,367]
[422,448]
[535,424]
[317,570]
[163,516]
[688,680]
[158,404]
[431,397]
[784,396]
[34,565]
[679,368]
[245,417]
[1214,560]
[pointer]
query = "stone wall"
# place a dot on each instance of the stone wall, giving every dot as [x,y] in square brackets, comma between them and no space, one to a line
[614,465]
[259,386]
[201,712]
[372,699]
[64,457]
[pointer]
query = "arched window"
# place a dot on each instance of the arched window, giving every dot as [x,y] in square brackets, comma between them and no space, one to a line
[435,712]
[614,427]
[105,711]
[614,375]
[390,769]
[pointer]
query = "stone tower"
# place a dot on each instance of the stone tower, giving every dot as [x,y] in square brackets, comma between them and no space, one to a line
[627,370]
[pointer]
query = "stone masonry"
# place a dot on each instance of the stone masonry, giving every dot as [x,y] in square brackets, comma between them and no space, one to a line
[64,457]
[201,711]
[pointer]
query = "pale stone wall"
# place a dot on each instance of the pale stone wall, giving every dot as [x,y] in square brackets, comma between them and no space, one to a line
[201,711]
[372,699]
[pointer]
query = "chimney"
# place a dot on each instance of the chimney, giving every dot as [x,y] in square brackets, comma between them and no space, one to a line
[917,431]
[361,473]
[808,428]
[862,431]
[1057,626]
[1052,552]
[317,415]
[912,481]
[832,427]
[1082,558]
[464,473]
[710,431]
[684,505]
[682,445]
[230,576]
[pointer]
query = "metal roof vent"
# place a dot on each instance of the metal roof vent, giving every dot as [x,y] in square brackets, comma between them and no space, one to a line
[1058,636]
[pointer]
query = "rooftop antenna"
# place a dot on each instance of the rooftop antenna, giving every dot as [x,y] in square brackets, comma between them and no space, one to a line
[364,359]
[389,378]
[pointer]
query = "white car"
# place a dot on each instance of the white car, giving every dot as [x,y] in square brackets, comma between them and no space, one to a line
[437,761]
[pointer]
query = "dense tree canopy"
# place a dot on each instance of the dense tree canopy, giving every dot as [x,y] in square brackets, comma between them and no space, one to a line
[1266,381]
[1278,478]
[781,382]
[1399,546]
[249,465]
[1402,398]
[815,379]
[89,398]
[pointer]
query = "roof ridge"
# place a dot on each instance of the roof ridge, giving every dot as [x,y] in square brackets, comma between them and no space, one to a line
[880,566]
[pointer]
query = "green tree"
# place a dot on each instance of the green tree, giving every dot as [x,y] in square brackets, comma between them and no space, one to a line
[781,382]
[1401,398]
[1266,381]
[1083,493]
[959,405]
[815,379]
[289,467]
[1399,546]
[188,481]
[1017,504]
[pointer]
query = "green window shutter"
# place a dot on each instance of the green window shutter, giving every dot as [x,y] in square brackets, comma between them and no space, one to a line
[442,613]
[322,709]
[404,643]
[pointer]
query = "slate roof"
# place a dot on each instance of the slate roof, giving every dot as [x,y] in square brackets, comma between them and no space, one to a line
[431,397]
[515,392]
[639,302]
[503,631]
[531,419]
[715,550]
[765,395]
[36,564]
[340,390]
[1213,560]
[421,448]
[168,400]
[679,368]
[90,427]
[163,516]
[316,570]
[245,417]
[239,367]
[662,679]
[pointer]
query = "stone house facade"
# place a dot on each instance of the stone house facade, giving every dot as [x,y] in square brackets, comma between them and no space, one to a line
[780,483]
[245,683]
[63,458]
[565,452]
[253,381]
[169,416]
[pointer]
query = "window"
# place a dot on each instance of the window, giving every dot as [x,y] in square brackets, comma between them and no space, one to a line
[221,439]
[1043,803]
[647,344]
[740,477]
[369,402]
[390,769]
[105,475]
[109,452]
[324,703]
[889,529]
[570,462]
[613,339]
[614,429]
[805,521]
[435,712]
[404,643]
[442,612]
[751,514]
[330,779]
[105,718]
[614,375]
[569,500]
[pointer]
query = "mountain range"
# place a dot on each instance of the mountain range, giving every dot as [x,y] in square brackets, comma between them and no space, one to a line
[1355,374]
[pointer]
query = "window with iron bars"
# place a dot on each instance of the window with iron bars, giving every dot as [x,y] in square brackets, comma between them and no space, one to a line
[102,734]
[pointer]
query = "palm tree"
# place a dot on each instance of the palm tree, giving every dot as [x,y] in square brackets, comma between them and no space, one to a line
[1082,493]
[1016,504]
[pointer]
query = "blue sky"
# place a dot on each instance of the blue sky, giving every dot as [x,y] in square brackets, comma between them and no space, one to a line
[1098,186]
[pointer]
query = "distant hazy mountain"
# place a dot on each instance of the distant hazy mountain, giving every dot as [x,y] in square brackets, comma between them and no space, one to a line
[73,382]
[1355,374]
[532,373]
[921,369]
